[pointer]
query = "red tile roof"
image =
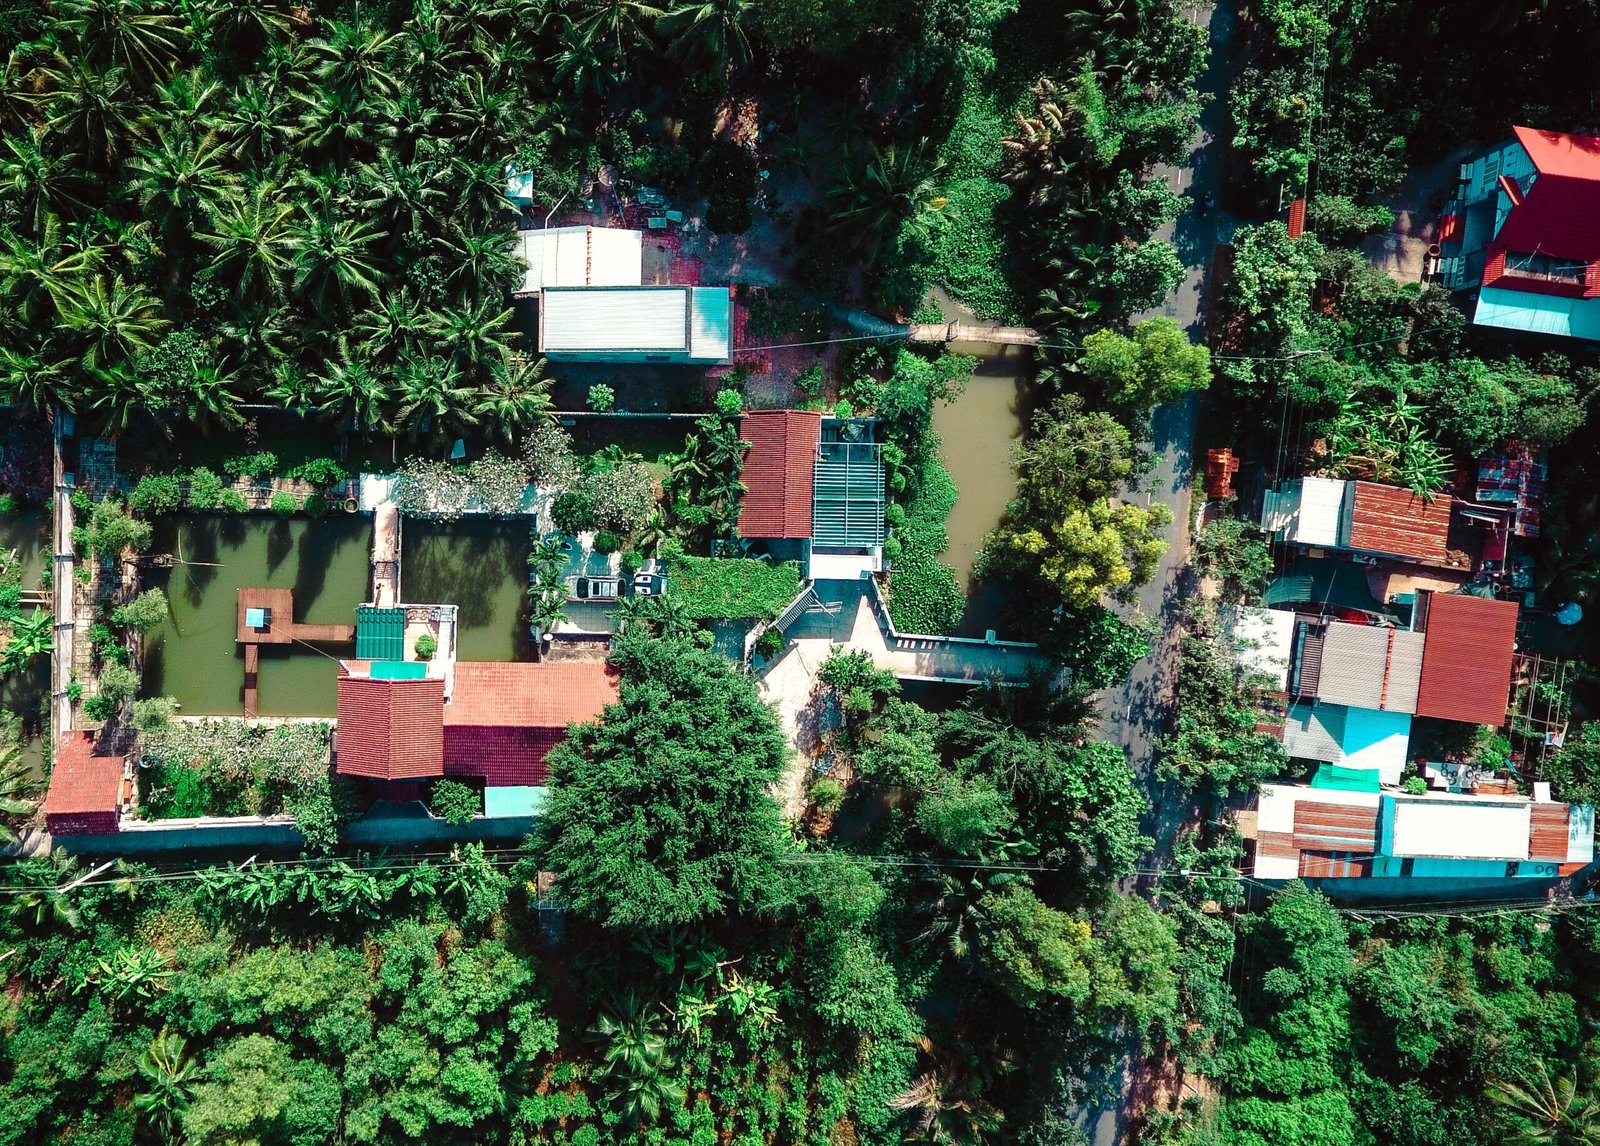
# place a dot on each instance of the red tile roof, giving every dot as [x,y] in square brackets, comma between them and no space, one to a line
[503,719]
[1388,519]
[84,788]
[1558,216]
[390,729]
[777,472]
[1466,658]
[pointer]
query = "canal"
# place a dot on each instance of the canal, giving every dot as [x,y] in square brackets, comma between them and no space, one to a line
[976,433]
[194,656]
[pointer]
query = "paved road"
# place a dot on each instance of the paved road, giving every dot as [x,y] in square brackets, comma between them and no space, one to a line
[1136,715]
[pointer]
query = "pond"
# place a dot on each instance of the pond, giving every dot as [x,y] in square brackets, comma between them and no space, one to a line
[479,565]
[976,433]
[194,656]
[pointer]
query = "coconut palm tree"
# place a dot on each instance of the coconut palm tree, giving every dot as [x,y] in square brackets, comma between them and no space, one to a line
[584,68]
[349,393]
[117,393]
[42,181]
[392,330]
[169,1076]
[357,59]
[115,319]
[1042,153]
[486,117]
[945,1103]
[253,242]
[49,909]
[244,28]
[140,37]
[31,381]
[40,277]
[882,190]
[210,398]
[256,123]
[408,197]
[622,25]
[91,109]
[431,395]
[187,104]
[1546,1110]
[516,396]
[475,335]
[547,602]
[335,264]
[339,123]
[182,181]
[709,34]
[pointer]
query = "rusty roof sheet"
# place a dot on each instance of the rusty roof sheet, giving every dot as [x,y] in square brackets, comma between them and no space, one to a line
[778,472]
[1335,827]
[1334,865]
[1395,521]
[1466,658]
[390,729]
[1547,834]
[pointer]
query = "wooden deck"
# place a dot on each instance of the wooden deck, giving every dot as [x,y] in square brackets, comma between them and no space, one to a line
[283,630]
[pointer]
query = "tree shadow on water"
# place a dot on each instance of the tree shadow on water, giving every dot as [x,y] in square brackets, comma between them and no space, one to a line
[318,550]
[280,540]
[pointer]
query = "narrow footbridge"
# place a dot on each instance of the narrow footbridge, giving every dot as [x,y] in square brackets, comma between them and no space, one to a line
[973,332]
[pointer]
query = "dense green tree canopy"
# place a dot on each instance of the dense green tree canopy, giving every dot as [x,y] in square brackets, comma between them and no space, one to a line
[660,815]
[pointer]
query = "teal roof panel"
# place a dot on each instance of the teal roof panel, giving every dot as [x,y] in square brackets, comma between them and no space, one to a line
[380,634]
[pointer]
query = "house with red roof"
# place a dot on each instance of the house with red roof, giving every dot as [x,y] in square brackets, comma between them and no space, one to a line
[490,722]
[814,492]
[1523,232]
[88,788]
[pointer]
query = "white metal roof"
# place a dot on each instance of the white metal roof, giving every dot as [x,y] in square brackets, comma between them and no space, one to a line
[1462,829]
[1353,663]
[1306,511]
[1262,639]
[580,256]
[711,324]
[651,320]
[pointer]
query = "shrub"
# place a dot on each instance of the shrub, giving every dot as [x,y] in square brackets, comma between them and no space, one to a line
[924,595]
[623,496]
[602,398]
[321,472]
[99,708]
[118,682]
[232,501]
[144,612]
[154,712]
[111,530]
[315,504]
[498,483]
[108,646]
[827,794]
[262,463]
[770,643]
[9,503]
[573,512]
[606,543]
[283,504]
[426,647]
[1340,220]
[729,403]
[75,691]
[205,488]
[454,802]
[547,454]
[631,561]
[156,494]
[843,410]
[432,489]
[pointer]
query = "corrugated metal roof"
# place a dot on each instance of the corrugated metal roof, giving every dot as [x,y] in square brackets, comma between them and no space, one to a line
[580,256]
[1538,313]
[1262,641]
[1466,658]
[1464,829]
[1334,865]
[1314,731]
[779,472]
[1394,521]
[1353,660]
[1548,832]
[711,324]
[647,320]
[1307,511]
[380,634]
[1308,665]
[1405,670]
[1561,152]
[1324,582]
[1339,827]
